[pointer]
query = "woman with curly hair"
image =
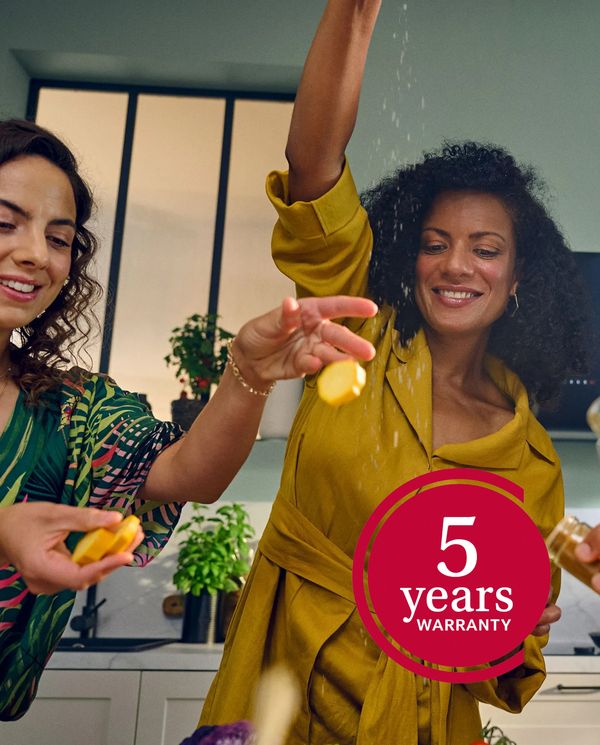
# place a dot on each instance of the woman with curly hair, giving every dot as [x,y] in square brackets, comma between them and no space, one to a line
[541,338]
[478,314]
[73,439]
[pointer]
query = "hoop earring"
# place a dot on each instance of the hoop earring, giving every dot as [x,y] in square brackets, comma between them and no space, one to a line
[516,308]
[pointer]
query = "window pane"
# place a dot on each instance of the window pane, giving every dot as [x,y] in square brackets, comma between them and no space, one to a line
[92,124]
[250,281]
[168,238]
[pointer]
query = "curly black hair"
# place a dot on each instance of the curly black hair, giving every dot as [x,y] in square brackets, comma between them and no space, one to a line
[48,343]
[544,342]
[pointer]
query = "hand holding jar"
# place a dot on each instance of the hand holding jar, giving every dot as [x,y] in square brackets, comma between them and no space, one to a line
[589,550]
[575,547]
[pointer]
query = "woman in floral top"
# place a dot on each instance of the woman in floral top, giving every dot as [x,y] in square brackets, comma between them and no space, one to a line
[73,439]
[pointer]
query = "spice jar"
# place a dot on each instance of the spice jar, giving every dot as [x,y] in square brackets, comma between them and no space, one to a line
[561,544]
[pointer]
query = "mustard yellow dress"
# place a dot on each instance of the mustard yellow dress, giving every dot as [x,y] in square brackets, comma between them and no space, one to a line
[298,606]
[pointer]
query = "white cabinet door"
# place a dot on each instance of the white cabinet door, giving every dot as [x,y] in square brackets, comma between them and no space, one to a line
[566,709]
[170,705]
[94,707]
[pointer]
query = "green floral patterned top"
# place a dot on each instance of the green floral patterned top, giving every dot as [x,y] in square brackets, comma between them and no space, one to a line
[89,444]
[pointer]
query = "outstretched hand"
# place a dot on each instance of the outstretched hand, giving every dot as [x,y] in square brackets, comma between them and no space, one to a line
[299,338]
[32,539]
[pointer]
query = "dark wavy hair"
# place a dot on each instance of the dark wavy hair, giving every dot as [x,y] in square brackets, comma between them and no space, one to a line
[48,344]
[544,342]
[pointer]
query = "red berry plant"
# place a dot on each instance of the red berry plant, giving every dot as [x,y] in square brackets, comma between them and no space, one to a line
[198,351]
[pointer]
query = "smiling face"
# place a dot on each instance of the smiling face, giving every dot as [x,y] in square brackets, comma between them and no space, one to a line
[37,228]
[465,269]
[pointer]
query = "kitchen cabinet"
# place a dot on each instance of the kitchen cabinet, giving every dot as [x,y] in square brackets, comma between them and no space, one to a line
[156,698]
[566,709]
[95,707]
[112,707]
[170,705]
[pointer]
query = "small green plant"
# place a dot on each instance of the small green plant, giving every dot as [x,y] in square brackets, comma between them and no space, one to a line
[491,735]
[198,351]
[214,554]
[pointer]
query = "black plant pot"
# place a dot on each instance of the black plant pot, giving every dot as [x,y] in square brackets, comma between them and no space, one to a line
[196,618]
[226,603]
[185,410]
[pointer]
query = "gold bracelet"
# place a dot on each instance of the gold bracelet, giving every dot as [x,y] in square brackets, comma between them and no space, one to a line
[236,371]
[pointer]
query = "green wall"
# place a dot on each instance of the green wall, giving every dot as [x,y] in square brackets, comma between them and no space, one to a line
[14,83]
[522,74]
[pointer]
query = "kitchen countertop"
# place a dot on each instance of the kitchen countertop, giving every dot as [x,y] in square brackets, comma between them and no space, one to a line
[175,656]
[191,657]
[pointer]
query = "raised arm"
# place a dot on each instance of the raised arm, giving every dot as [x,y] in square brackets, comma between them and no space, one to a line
[327,100]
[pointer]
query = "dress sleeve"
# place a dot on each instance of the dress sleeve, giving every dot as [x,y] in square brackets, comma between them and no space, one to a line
[514,689]
[323,246]
[113,441]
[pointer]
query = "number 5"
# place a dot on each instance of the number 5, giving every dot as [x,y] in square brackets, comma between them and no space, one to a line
[470,550]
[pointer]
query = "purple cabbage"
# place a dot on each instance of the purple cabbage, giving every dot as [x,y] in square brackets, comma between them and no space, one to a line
[238,733]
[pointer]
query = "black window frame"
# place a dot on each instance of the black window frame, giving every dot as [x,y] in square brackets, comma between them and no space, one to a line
[133,92]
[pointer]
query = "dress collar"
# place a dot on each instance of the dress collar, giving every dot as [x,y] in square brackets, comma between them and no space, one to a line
[409,376]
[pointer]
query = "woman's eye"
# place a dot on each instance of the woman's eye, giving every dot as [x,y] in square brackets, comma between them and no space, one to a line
[6,225]
[487,253]
[433,248]
[59,242]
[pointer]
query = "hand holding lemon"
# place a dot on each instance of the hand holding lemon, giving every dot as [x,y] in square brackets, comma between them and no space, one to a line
[102,542]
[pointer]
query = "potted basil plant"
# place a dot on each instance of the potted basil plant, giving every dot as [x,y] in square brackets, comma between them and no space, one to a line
[199,354]
[491,735]
[214,559]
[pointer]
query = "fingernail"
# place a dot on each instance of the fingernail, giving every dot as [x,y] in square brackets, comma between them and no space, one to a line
[584,552]
[109,516]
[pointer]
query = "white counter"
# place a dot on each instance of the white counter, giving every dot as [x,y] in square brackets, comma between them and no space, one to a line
[191,657]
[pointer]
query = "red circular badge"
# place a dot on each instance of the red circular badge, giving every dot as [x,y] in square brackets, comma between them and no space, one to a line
[451,571]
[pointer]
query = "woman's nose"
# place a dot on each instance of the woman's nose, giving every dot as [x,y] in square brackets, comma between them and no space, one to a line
[457,262]
[32,249]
